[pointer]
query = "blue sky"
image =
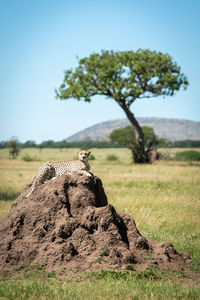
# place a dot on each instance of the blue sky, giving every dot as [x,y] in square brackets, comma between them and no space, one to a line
[40,39]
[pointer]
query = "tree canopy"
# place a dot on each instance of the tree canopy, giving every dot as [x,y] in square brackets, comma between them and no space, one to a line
[124,76]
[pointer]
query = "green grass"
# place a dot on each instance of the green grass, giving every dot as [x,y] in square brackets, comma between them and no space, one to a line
[163,198]
[36,283]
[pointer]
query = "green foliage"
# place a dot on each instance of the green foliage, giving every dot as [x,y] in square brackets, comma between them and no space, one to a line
[61,144]
[99,259]
[150,139]
[126,136]
[91,157]
[46,144]
[163,143]
[88,144]
[111,157]
[124,76]
[188,155]
[29,144]
[104,251]
[13,144]
[28,157]
[185,144]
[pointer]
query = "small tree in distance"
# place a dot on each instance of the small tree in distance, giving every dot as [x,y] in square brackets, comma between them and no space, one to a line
[126,136]
[13,144]
[124,76]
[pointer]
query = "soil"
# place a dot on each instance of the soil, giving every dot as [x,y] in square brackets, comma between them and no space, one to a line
[67,222]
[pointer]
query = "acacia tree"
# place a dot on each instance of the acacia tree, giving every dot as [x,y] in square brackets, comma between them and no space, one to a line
[124,77]
[126,136]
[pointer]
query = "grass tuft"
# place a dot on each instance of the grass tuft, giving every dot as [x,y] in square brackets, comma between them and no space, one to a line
[150,273]
[28,157]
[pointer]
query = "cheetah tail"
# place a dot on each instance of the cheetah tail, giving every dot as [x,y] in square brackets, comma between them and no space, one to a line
[32,187]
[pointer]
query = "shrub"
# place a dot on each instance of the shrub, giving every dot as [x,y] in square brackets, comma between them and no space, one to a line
[91,157]
[188,155]
[111,157]
[27,157]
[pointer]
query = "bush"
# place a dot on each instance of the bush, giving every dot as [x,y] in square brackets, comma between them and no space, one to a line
[188,156]
[111,157]
[27,157]
[91,157]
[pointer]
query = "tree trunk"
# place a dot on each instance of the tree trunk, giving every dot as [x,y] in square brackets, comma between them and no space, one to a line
[139,153]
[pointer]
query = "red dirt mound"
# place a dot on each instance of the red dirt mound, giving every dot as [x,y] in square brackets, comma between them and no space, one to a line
[67,222]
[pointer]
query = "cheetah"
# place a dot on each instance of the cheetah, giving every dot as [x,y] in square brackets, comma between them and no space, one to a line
[49,170]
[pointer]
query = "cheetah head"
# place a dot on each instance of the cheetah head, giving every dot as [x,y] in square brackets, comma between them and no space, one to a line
[83,155]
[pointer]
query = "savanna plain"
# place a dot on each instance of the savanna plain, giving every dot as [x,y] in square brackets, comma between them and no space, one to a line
[164,200]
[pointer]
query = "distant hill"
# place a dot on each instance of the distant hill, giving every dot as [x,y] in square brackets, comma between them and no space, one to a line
[172,129]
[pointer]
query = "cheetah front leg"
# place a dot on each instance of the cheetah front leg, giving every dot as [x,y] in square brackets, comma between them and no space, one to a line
[83,172]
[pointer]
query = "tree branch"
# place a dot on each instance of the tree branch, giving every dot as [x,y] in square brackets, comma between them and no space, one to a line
[152,96]
[131,101]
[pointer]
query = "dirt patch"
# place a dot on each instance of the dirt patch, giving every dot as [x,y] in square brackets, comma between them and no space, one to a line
[67,222]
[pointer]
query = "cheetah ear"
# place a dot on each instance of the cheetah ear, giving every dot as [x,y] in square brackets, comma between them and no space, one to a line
[88,153]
